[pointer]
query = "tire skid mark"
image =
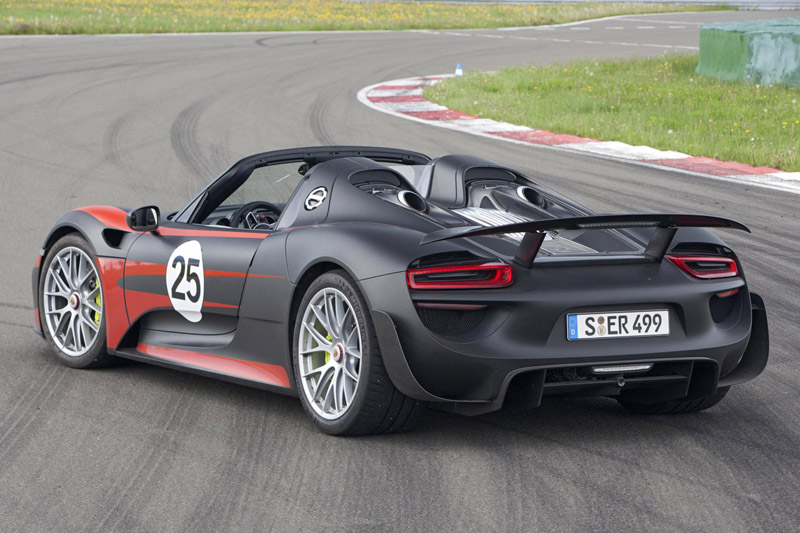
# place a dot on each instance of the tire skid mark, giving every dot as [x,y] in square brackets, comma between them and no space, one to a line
[133,72]
[16,306]
[642,464]
[248,438]
[16,325]
[113,153]
[316,119]
[48,165]
[73,188]
[185,143]
[111,143]
[22,421]
[275,42]
[69,72]
[151,455]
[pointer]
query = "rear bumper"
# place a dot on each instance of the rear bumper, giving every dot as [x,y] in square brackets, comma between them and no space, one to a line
[491,382]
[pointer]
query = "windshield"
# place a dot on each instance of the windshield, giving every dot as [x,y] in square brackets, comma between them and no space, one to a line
[274,184]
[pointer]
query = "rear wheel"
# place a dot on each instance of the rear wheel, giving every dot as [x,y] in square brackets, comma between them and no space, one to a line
[338,368]
[72,306]
[675,407]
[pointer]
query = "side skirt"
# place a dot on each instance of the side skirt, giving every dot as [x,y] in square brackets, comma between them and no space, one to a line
[257,375]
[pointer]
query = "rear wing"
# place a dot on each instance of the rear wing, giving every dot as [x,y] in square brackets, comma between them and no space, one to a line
[666,225]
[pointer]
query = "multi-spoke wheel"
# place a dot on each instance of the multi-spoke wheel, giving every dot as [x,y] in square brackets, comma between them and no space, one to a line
[338,367]
[71,304]
[330,353]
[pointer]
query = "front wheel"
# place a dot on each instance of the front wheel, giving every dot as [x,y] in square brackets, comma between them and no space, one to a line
[71,306]
[338,368]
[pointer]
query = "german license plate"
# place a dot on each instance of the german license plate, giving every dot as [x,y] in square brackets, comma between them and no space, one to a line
[617,324]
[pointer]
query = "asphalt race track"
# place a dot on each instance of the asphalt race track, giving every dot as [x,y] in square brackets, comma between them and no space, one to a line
[136,120]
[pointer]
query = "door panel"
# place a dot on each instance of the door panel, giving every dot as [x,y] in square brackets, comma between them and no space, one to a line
[193,275]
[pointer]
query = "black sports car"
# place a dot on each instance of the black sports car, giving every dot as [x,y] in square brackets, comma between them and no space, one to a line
[372,281]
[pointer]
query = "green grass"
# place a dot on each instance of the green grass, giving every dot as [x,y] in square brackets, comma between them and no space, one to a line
[157,16]
[659,102]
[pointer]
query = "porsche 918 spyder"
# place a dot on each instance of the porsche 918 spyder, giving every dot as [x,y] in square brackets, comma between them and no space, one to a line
[371,282]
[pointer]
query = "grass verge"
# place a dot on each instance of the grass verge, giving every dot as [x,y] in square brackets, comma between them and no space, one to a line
[158,16]
[659,102]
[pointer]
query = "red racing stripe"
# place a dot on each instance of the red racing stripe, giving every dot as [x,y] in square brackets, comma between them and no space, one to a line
[223,274]
[111,270]
[215,304]
[226,274]
[182,232]
[262,372]
[143,268]
[110,216]
[140,303]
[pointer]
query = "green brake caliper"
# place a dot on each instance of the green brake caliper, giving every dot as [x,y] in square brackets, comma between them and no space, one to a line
[99,301]
[328,354]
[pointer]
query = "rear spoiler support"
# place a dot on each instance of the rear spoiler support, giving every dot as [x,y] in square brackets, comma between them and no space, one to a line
[666,226]
[660,242]
[529,247]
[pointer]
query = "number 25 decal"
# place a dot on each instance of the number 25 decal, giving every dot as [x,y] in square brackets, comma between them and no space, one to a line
[191,276]
[186,281]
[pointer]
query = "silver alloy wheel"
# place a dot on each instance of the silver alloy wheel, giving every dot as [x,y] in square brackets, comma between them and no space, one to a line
[73,301]
[329,353]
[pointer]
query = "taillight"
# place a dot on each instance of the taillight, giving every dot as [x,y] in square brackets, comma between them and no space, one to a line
[475,276]
[706,267]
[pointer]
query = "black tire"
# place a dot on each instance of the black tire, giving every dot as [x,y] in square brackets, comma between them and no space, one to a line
[675,407]
[96,356]
[377,406]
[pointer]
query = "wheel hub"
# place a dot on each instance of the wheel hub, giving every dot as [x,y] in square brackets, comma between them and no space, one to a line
[338,353]
[75,301]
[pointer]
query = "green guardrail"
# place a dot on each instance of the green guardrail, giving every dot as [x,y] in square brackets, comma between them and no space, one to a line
[762,51]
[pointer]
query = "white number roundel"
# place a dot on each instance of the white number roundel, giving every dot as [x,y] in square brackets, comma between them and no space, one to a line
[185,280]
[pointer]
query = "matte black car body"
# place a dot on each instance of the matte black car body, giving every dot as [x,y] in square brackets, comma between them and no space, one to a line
[386,211]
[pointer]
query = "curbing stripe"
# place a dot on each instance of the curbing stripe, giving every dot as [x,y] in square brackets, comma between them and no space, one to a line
[443,114]
[403,98]
[543,137]
[717,168]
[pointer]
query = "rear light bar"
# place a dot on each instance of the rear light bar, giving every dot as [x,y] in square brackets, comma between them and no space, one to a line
[706,267]
[475,276]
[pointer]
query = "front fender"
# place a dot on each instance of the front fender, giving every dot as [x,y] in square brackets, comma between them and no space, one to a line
[103,227]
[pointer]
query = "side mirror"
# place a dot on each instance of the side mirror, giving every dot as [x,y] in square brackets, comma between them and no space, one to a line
[143,219]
